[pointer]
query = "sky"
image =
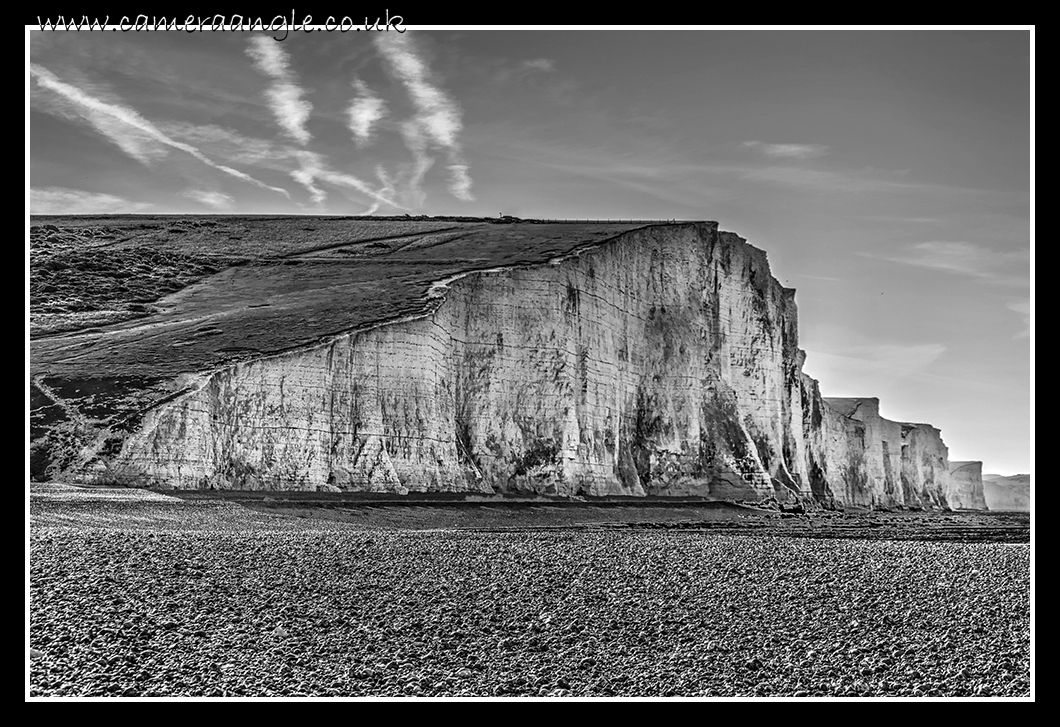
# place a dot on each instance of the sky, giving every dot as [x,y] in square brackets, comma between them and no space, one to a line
[887,173]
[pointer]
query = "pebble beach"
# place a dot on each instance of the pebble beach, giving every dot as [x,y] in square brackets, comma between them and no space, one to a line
[135,594]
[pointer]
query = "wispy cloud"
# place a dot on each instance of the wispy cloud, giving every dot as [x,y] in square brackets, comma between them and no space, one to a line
[436,112]
[655,167]
[231,145]
[819,180]
[65,201]
[214,200]
[313,168]
[964,258]
[1023,307]
[306,175]
[437,115]
[284,94]
[120,123]
[539,64]
[787,151]
[460,182]
[411,178]
[136,143]
[669,182]
[364,112]
[504,72]
[872,362]
[308,168]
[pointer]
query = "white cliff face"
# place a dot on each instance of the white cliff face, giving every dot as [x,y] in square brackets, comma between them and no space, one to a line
[860,458]
[925,467]
[647,365]
[663,362]
[872,452]
[965,489]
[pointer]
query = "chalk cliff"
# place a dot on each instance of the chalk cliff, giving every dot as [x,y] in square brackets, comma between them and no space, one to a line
[663,361]
[966,486]
[870,460]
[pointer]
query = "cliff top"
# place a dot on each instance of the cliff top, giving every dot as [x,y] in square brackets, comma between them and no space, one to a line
[119,296]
